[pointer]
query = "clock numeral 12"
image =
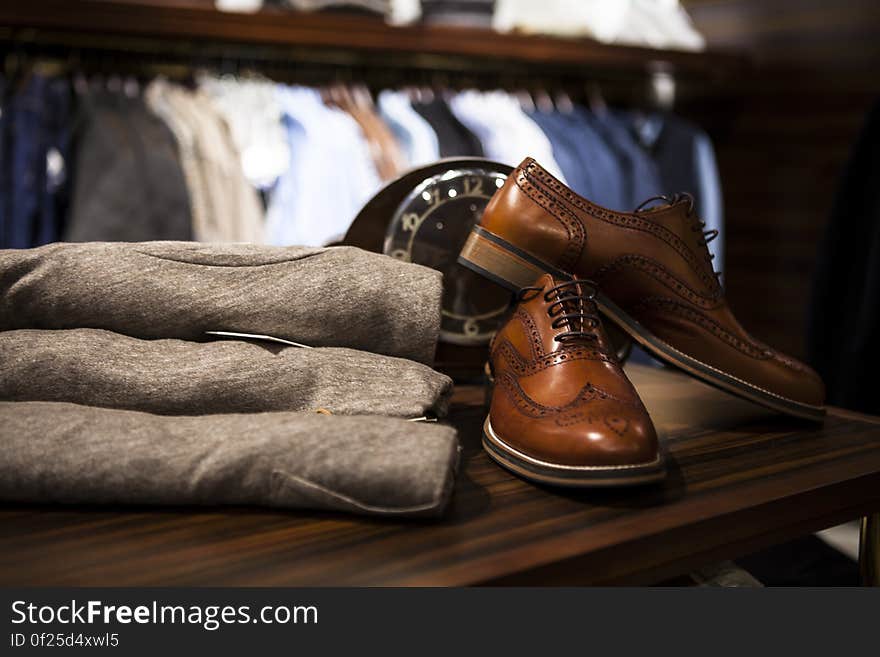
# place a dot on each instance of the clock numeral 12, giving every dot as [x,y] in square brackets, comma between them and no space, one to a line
[473,187]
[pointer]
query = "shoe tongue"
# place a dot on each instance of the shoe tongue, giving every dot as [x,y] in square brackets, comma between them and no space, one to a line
[547,281]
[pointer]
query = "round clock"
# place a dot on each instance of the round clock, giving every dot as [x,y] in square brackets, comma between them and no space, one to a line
[430,226]
[424,216]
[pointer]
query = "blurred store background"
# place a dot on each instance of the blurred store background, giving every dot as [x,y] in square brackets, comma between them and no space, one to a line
[274,121]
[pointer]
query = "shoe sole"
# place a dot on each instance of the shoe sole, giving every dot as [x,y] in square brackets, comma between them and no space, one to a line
[513,268]
[569,476]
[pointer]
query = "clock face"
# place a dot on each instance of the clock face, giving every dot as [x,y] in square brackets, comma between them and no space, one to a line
[430,227]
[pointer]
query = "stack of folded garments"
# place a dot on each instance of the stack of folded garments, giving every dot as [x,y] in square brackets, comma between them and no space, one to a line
[663,24]
[114,389]
[465,13]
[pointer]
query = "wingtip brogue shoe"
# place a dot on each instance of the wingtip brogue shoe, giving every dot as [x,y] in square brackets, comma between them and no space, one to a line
[562,410]
[655,278]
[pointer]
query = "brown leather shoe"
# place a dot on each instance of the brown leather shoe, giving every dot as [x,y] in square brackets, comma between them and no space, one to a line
[562,411]
[656,279]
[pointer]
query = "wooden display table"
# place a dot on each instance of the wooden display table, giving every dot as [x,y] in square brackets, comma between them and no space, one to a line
[741,479]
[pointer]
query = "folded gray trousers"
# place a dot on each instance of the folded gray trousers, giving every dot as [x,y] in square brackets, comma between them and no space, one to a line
[178,377]
[322,297]
[60,452]
[133,320]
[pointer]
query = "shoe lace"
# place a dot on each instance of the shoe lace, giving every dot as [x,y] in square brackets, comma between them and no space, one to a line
[698,224]
[571,306]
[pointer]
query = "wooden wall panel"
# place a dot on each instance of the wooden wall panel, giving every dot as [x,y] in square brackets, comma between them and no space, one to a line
[782,153]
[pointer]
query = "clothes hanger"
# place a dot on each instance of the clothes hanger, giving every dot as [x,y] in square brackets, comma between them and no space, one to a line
[413,93]
[543,101]
[564,103]
[440,83]
[526,102]
[648,122]
[340,92]
[345,99]
[661,87]
[595,99]
[74,69]
[332,94]
[362,97]
[131,87]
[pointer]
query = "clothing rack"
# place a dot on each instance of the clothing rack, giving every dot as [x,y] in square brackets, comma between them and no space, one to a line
[111,41]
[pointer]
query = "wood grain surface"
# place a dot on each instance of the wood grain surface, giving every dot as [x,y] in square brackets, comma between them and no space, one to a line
[193,20]
[740,479]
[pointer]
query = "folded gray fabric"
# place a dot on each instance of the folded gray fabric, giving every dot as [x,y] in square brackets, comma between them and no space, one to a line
[177,377]
[59,452]
[322,297]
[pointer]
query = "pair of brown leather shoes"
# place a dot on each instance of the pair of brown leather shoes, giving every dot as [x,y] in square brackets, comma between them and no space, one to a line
[562,410]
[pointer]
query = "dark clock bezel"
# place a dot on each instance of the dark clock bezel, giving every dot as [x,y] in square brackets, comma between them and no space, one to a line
[445,180]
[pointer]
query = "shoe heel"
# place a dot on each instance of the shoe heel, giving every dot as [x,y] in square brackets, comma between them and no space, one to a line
[502,262]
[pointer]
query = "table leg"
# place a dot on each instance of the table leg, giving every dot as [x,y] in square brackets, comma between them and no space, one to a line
[869,550]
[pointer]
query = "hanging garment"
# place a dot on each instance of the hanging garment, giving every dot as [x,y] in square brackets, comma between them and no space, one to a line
[844,319]
[565,149]
[251,110]
[157,99]
[5,174]
[414,133]
[331,174]
[26,164]
[329,297]
[640,175]
[55,192]
[506,134]
[67,453]
[235,204]
[177,377]
[686,161]
[128,183]
[383,147]
[36,150]
[455,139]
[225,208]
[602,170]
